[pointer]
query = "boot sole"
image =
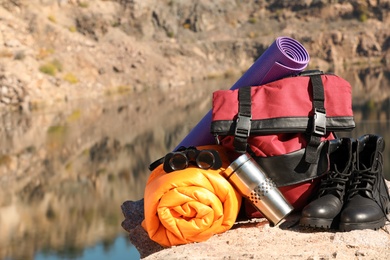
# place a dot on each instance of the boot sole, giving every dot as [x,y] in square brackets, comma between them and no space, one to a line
[316,223]
[375,225]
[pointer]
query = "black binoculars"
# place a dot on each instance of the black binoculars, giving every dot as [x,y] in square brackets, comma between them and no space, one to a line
[179,160]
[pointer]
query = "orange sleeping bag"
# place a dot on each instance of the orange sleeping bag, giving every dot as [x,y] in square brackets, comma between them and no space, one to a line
[189,205]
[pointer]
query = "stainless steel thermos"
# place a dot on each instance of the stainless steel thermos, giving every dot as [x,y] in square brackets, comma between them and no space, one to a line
[252,182]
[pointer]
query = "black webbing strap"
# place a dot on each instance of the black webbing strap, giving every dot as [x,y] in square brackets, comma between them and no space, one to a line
[243,122]
[319,119]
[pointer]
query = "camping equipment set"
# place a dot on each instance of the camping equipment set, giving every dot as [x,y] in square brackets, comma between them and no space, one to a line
[283,125]
[269,146]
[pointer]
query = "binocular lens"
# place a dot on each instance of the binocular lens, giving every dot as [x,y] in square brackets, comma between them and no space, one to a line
[205,160]
[178,161]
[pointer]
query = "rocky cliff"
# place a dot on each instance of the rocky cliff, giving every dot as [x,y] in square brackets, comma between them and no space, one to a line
[57,50]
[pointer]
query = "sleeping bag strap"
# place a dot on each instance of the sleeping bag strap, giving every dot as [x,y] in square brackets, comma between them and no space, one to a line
[243,121]
[318,128]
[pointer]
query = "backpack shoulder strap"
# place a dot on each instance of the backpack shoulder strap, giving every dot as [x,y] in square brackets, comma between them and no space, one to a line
[243,121]
[318,125]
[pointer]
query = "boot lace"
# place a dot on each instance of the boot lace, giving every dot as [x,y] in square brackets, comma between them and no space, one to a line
[334,182]
[362,180]
[364,177]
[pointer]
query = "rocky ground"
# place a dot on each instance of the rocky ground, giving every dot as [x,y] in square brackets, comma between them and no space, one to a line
[53,51]
[255,239]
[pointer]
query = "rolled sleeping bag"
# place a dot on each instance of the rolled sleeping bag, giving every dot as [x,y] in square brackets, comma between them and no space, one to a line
[189,205]
[285,57]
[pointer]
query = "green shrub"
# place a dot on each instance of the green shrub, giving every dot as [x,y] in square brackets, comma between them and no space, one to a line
[122,89]
[48,69]
[83,4]
[52,18]
[362,12]
[71,78]
[76,114]
[252,20]
[51,68]
[72,28]
[363,18]
[56,130]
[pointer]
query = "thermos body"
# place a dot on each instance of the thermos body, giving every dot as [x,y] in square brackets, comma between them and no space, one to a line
[252,182]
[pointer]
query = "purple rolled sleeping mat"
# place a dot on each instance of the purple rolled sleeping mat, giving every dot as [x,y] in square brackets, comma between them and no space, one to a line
[284,57]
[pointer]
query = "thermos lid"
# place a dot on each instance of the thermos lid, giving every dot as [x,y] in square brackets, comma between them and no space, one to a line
[236,164]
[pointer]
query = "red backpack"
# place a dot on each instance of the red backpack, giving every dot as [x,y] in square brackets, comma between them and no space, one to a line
[284,126]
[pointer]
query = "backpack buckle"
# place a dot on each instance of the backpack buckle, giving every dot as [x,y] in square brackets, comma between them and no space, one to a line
[243,126]
[319,122]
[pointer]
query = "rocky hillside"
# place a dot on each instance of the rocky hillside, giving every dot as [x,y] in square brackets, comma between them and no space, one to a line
[52,51]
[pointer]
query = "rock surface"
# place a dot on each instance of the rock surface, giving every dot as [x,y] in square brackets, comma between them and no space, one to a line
[53,51]
[255,239]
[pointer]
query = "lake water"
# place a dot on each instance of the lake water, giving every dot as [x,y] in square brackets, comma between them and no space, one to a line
[64,172]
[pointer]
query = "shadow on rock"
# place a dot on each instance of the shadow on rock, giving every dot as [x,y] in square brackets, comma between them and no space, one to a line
[133,212]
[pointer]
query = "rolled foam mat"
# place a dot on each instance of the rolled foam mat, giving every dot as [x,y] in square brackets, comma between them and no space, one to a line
[285,57]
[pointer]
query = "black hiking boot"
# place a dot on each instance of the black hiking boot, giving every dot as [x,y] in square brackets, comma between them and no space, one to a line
[367,199]
[323,212]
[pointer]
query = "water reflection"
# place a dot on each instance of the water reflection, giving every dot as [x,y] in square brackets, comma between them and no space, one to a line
[371,105]
[65,172]
[119,249]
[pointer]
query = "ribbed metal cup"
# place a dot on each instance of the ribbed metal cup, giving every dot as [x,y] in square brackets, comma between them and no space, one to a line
[252,182]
